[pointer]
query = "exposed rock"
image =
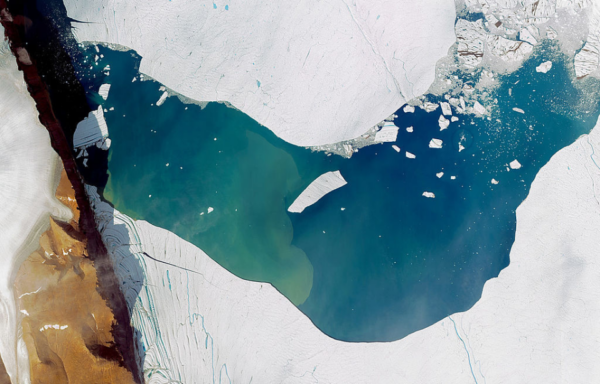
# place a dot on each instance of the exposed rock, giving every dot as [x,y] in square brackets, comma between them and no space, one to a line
[67,325]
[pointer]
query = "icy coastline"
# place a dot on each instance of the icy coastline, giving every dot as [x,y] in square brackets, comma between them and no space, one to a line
[200,321]
[314,73]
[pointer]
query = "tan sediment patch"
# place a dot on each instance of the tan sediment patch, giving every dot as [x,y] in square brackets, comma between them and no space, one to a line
[66,323]
[4,378]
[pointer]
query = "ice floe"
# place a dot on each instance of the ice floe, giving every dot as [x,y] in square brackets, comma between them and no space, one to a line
[90,130]
[435,143]
[287,67]
[544,67]
[103,91]
[388,133]
[321,186]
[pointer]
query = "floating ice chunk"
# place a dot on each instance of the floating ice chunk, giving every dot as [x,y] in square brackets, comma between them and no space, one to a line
[439,175]
[91,129]
[104,88]
[470,36]
[435,143]
[544,67]
[210,209]
[515,164]
[454,119]
[409,129]
[410,155]
[446,110]
[103,144]
[162,99]
[452,177]
[321,186]
[408,109]
[479,109]
[461,147]
[396,148]
[527,36]
[588,58]
[494,181]
[519,110]
[429,107]
[509,50]
[429,195]
[443,122]
[387,134]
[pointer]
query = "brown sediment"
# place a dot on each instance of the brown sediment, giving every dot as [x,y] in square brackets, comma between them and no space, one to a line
[94,271]
[4,378]
[67,325]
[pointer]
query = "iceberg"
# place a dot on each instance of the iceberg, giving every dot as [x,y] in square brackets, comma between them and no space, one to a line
[321,186]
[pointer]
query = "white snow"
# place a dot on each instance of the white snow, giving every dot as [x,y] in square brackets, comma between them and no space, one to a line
[162,98]
[587,59]
[321,186]
[435,143]
[537,322]
[28,180]
[103,91]
[286,65]
[479,109]
[408,109]
[525,35]
[446,110]
[544,67]
[443,122]
[387,134]
[90,130]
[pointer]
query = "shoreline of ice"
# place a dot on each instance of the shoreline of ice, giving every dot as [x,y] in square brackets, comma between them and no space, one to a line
[200,321]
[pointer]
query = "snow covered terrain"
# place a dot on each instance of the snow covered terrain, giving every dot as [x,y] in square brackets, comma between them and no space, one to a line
[29,174]
[314,72]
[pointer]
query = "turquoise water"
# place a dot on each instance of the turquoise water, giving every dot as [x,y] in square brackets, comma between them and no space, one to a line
[392,261]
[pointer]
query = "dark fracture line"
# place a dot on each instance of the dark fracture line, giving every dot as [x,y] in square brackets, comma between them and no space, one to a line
[172,265]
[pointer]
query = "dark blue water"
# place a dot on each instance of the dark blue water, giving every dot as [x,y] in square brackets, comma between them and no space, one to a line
[392,261]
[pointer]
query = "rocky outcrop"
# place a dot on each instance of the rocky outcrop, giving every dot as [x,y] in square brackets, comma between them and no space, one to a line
[67,325]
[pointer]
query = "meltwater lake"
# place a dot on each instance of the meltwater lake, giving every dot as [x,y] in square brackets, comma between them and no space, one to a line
[374,260]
